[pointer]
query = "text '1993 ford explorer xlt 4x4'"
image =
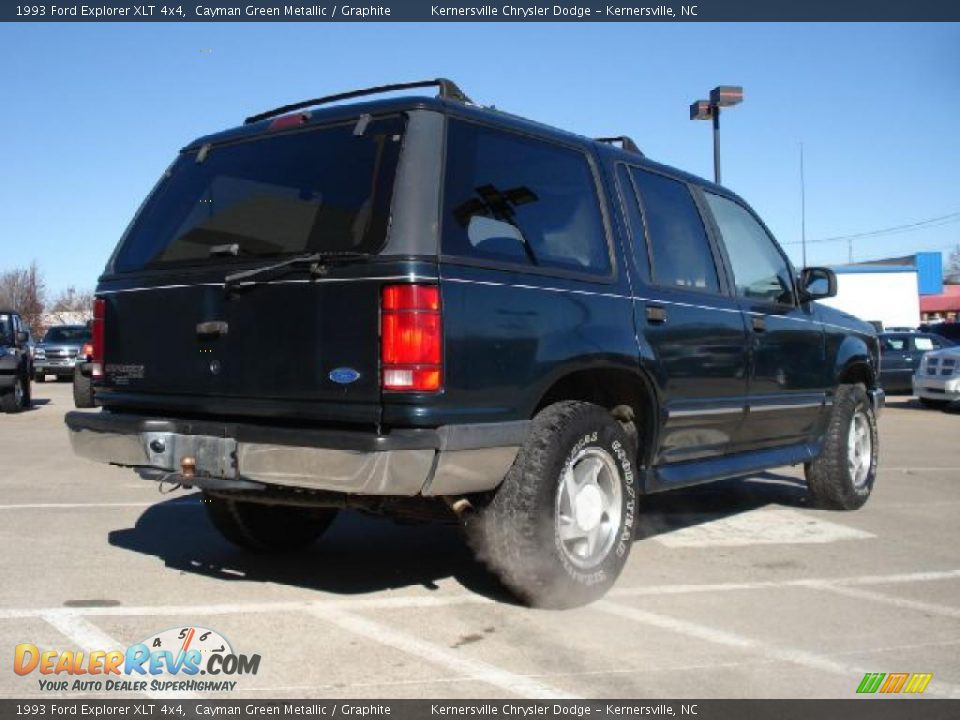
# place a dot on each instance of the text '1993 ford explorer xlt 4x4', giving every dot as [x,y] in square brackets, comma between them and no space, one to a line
[427,308]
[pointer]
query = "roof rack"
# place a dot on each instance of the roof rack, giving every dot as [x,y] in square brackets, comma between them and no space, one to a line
[447,89]
[626,142]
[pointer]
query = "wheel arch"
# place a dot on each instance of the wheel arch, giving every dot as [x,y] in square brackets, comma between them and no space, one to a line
[629,394]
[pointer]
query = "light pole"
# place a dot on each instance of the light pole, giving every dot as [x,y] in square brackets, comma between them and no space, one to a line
[720,96]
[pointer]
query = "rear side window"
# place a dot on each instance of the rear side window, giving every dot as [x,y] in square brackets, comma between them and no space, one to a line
[322,190]
[680,253]
[513,199]
[894,342]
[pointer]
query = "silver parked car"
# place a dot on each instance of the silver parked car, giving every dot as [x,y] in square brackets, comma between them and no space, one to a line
[936,383]
[57,352]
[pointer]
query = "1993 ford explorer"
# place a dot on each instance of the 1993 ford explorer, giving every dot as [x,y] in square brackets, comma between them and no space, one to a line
[426,308]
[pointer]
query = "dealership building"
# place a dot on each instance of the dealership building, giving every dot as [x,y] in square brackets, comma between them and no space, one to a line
[897,292]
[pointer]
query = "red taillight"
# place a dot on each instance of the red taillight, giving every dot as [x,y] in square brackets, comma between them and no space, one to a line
[99,312]
[411,338]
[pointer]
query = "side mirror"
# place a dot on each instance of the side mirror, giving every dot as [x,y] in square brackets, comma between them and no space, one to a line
[817,283]
[22,338]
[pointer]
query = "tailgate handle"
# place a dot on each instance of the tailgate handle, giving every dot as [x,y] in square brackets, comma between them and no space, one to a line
[212,327]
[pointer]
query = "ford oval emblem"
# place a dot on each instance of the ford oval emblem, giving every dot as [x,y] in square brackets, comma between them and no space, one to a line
[344,375]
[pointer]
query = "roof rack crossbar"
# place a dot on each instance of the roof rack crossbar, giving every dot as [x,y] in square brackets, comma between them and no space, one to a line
[626,142]
[447,89]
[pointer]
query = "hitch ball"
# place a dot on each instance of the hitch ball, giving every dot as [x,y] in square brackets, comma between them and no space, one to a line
[188,467]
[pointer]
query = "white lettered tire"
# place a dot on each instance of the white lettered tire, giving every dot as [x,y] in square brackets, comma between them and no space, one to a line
[560,527]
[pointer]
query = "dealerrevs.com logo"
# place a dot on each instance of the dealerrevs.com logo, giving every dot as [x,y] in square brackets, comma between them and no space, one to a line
[169,661]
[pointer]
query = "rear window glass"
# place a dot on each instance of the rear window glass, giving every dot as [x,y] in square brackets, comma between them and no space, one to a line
[324,190]
[514,199]
[67,335]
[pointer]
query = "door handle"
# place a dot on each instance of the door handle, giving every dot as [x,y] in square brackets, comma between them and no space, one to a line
[758,323]
[656,314]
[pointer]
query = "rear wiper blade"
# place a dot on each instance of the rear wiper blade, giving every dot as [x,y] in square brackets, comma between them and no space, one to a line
[314,260]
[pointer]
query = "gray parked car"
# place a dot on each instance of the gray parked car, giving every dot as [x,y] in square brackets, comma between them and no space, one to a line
[57,352]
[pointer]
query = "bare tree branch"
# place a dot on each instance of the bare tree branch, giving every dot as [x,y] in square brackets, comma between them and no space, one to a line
[24,290]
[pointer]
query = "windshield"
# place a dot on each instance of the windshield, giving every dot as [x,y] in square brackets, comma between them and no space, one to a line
[324,190]
[73,334]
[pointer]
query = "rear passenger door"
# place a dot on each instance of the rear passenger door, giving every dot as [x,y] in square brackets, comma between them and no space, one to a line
[788,378]
[691,330]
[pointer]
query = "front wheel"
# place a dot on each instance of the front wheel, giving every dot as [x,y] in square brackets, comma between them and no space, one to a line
[559,529]
[267,528]
[842,478]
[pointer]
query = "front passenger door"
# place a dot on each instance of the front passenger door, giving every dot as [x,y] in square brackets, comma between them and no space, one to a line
[787,376]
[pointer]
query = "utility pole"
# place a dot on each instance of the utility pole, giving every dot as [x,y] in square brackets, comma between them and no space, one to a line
[803,209]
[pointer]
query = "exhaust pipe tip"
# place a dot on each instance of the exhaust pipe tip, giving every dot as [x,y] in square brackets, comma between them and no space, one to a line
[461,507]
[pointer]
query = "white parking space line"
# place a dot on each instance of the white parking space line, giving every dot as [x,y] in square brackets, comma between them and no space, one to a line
[919,469]
[763,526]
[408,601]
[520,685]
[417,601]
[781,653]
[88,637]
[86,506]
[900,602]
[894,579]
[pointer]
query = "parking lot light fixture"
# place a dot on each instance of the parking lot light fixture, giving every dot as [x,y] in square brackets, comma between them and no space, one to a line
[721,96]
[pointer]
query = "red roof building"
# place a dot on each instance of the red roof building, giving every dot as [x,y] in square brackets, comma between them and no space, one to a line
[942,306]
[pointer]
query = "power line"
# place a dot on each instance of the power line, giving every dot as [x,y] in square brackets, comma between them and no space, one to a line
[921,224]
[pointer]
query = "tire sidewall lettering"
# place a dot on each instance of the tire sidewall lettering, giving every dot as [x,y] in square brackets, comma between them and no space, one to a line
[616,449]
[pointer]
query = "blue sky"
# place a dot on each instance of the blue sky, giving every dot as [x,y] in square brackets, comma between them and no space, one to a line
[94,113]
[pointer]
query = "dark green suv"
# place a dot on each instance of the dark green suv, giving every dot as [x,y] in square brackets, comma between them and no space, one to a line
[15,362]
[419,306]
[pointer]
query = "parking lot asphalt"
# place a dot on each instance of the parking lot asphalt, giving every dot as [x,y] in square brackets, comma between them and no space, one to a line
[733,590]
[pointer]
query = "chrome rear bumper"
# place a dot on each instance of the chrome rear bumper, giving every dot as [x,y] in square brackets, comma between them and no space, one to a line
[450,460]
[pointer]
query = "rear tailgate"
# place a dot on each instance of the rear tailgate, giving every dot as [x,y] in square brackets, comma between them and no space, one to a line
[272,349]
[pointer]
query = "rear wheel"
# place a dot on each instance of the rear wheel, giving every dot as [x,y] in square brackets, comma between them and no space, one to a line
[935,404]
[39,377]
[82,390]
[267,528]
[560,527]
[842,477]
[14,399]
